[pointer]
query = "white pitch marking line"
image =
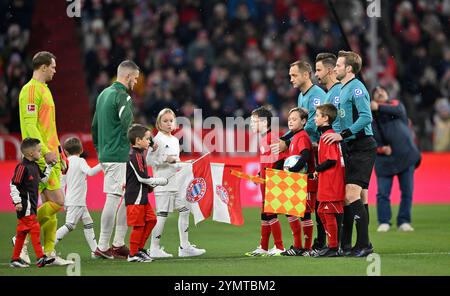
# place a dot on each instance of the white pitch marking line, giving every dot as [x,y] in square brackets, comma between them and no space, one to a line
[414,254]
[251,257]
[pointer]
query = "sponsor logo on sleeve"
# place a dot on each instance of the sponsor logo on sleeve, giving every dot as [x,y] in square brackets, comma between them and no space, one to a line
[358,92]
[31,108]
[316,102]
[336,100]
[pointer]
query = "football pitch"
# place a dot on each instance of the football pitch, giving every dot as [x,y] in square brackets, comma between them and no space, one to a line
[426,251]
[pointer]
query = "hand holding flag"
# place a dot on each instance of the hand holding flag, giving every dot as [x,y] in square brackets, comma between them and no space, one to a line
[248,177]
[196,187]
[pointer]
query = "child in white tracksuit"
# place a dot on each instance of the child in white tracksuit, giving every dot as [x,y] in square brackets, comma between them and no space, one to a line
[76,190]
[164,164]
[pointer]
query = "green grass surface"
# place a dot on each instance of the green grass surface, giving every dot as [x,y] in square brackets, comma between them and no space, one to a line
[426,251]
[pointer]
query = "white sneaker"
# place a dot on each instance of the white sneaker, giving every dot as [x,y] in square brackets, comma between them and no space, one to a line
[190,251]
[18,264]
[139,257]
[383,227]
[24,252]
[59,261]
[275,252]
[145,256]
[159,253]
[257,252]
[405,227]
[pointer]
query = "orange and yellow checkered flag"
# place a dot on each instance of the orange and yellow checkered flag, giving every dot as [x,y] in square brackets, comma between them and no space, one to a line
[248,177]
[285,193]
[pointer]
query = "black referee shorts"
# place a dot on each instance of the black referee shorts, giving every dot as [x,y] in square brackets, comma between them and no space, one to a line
[359,158]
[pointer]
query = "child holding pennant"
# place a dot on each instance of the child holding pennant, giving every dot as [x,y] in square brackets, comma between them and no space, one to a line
[164,164]
[261,123]
[300,145]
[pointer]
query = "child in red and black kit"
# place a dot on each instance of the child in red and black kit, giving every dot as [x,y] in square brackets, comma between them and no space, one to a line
[140,214]
[301,145]
[25,194]
[260,123]
[331,191]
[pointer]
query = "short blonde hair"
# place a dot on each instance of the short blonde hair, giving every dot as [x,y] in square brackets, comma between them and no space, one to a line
[160,115]
[302,111]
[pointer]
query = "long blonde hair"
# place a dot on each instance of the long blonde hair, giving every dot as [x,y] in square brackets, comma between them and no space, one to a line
[160,115]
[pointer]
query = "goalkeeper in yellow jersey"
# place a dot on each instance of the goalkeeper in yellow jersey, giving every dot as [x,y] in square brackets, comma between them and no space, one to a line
[37,120]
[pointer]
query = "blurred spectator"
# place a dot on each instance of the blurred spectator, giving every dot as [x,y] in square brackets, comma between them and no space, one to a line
[428,87]
[397,155]
[101,82]
[445,84]
[96,37]
[15,67]
[201,47]
[4,104]
[228,56]
[441,139]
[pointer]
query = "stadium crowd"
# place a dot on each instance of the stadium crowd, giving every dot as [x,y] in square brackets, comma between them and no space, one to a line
[229,57]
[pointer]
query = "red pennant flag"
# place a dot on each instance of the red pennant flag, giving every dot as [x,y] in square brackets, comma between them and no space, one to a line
[197,188]
[227,200]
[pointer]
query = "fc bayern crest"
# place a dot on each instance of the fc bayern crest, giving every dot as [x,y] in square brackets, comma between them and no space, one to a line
[196,190]
[222,193]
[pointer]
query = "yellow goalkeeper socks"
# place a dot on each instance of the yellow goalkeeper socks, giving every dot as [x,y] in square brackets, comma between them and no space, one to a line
[49,231]
[47,217]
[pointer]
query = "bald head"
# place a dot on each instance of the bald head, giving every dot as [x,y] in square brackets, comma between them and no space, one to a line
[128,73]
[126,67]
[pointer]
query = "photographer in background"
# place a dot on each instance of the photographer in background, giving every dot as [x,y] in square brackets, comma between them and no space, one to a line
[397,155]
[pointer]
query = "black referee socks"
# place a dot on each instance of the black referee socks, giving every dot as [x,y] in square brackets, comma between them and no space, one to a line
[347,229]
[359,213]
[367,211]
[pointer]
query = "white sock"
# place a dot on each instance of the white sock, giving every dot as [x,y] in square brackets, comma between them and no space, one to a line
[27,240]
[89,231]
[121,226]
[62,231]
[107,220]
[90,236]
[157,231]
[183,227]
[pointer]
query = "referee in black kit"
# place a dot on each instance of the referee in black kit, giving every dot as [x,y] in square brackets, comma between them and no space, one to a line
[355,118]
